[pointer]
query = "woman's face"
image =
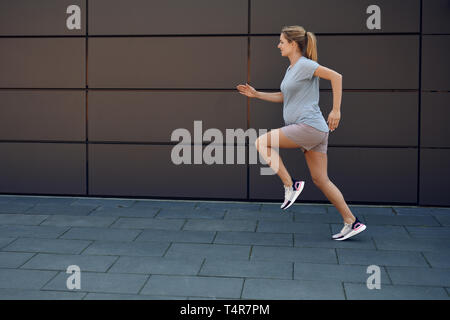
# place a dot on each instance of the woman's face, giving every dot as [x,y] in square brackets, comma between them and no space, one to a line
[285,47]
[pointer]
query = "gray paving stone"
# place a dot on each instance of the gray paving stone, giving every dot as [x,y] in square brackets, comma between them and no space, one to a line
[6,198]
[61,262]
[319,218]
[243,214]
[183,250]
[177,236]
[319,255]
[429,232]
[247,269]
[388,292]
[100,282]
[401,220]
[444,220]
[104,202]
[335,272]
[128,212]
[292,290]
[257,238]
[209,298]
[381,258]
[13,259]
[189,213]
[149,223]
[47,245]
[295,208]
[24,294]
[362,241]
[439,259]
[24,279]
[78,221]
[220,225]
[32,200]
[115,296]
[5,241]
[377,231]
[423,244]
[293,227]
[412,211]
[102,234]
[32,231]
[14,207]
[164,204]
[157,265]
[439,277]
[366,210]
[21,219]
[440,212]
[193,286]
[46,200]
[221,205]
[59,209]
[127,248]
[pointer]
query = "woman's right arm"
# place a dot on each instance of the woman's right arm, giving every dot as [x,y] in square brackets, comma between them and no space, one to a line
[249,91]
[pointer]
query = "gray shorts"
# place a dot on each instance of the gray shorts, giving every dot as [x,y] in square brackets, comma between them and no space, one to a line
[307,137]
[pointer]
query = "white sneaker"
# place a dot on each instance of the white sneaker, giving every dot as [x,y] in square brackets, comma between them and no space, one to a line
[350,230]
[297,188]
[287,195]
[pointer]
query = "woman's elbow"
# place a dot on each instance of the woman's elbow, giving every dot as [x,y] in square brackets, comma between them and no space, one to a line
[337,77]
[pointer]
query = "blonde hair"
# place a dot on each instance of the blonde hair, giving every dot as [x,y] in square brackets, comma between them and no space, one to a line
[306,41]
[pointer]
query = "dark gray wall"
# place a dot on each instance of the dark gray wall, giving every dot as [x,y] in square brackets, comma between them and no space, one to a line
[91,111]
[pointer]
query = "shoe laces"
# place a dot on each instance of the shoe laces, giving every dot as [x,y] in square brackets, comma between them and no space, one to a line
[287,191]
[346,226]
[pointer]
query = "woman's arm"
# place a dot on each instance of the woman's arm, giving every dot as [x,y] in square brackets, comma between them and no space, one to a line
[336,84]
[249,91]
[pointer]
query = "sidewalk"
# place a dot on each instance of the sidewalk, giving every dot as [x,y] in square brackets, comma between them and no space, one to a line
[152,249]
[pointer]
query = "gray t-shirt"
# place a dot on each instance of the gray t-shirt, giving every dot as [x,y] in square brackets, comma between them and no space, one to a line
[301,95]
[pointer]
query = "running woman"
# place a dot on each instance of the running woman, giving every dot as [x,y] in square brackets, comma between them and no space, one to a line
[305,127]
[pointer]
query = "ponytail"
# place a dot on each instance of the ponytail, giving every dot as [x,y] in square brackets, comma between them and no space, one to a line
[311,46]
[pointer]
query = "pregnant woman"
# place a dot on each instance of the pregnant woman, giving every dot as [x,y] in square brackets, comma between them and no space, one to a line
[305,126]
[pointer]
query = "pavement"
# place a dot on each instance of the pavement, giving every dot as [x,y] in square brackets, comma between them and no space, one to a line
[166,249]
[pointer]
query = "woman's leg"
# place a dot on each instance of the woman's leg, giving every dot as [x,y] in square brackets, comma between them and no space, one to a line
[317,163]
[265,144]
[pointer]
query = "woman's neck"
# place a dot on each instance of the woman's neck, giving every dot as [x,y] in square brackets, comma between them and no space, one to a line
[294,58]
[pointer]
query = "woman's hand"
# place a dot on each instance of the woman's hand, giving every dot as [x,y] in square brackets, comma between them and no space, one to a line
[333,119]
[247,90]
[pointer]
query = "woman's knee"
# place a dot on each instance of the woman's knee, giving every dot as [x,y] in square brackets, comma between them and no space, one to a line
[320,180]
[261,141]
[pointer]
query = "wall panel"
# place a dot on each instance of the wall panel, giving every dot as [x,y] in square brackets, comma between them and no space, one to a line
[43,168]
[43,115]
[42,63]
[365,62]
[152,116]
[330,16]
[434,177]
[137,17]
[40,18]
[140,170]
[186,62]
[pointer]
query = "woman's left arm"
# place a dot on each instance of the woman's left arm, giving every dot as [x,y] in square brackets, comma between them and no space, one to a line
[336,84]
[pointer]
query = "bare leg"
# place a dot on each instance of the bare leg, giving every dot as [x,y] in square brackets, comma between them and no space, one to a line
[265,145]
[317,163]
